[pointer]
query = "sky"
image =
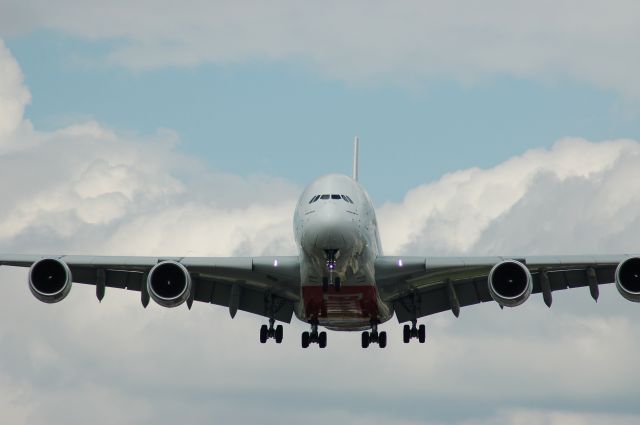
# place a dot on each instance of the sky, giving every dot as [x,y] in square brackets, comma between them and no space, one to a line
[163,128]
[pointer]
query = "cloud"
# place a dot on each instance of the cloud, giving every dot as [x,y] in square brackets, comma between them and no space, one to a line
[585,41]
[106,190]
[579,194]
[86,188]
[532,417]
[13,95]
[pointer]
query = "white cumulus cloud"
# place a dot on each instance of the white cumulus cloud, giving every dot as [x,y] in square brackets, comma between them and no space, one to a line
[578,195]
[13,95]
[126,193]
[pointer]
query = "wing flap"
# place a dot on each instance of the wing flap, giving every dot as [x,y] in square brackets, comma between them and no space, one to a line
[250,299]
[121,279]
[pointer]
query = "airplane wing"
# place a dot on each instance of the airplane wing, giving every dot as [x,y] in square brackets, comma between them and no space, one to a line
[421,286]
[267,286]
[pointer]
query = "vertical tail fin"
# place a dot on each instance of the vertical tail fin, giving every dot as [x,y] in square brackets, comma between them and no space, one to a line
[356,157]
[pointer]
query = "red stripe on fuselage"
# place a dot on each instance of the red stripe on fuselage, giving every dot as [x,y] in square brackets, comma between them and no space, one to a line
[350,302]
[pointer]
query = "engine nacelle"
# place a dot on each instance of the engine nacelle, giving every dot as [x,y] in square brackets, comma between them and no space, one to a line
[628,279]
[169,284]
[510,283]
[50,280]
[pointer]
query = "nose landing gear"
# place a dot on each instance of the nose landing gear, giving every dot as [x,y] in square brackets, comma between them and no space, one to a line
[329,281]
[374,337]
[330,255]
[314,337]
[271,332]
[331,264]
[413,331]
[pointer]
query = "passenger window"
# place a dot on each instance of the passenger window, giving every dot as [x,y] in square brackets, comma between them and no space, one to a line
[335,196]
[325,196]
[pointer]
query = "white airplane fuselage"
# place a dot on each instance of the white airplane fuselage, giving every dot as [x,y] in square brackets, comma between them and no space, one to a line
[336,232]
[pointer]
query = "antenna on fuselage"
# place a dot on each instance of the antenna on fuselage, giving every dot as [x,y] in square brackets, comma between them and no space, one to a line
[356,159]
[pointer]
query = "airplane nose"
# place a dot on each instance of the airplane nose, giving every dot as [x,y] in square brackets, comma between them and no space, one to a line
[330,239]
[327,231]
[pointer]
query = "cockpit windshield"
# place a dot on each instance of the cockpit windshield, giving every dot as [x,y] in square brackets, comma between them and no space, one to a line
[332,196]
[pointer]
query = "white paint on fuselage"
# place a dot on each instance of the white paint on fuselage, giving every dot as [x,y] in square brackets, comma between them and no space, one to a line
[351,228]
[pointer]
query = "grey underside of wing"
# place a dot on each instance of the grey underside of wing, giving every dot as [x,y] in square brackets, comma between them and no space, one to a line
[267,286]
[421,286]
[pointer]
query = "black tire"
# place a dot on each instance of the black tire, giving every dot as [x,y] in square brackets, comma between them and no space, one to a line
[305,339]
[406,334]
[422,334]
[382,339]
[365,339]
[325,284]
[337,283]
[322,339]
[264,334]
[279,334]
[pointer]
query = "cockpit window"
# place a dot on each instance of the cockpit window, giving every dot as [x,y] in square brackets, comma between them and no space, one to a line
[330,196]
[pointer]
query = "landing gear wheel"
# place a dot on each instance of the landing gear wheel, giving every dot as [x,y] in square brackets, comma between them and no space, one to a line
[305,339]
[365,339]
[322,339]
[413,331]
[267,332]
[382,339]
[264,334]
[406,334]
[337,283]
[279,334]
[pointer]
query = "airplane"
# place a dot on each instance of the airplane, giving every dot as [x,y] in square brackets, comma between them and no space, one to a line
[340,280]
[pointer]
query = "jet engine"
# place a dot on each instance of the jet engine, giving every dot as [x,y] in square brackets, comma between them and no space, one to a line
[50,280]
[510,283]
[169,283]
[628,279]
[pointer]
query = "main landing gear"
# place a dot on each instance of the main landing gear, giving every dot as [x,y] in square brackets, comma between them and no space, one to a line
[314,337]
[271,332]
[331,264]
[374,337]
[410,332]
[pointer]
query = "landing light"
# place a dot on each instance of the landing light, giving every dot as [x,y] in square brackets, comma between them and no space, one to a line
[275,263]
[400,263]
